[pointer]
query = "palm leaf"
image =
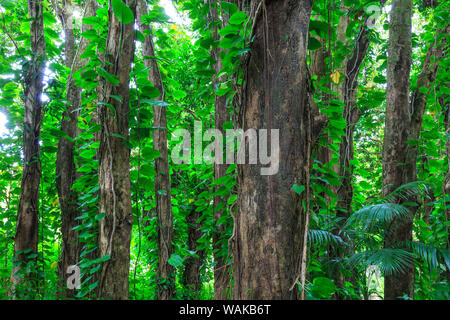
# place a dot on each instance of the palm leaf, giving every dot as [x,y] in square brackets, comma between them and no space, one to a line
[323,237]
[445,253]
[409,190]
[390,261]
[374,214]
[425,251]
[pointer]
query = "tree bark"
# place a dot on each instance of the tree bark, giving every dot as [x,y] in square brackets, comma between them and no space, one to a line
[396,136]
[270,224]
[65,163]
[446,186]
[221,267]
[409,169]
[26,238]
[114,161]
[419,101]
[193,264]
[162,177]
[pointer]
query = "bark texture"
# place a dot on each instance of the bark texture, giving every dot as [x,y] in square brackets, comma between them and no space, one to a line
[446,106]
[162,177]
[221,267]
[193,264]
[65,162]
[418,103]
[351,113]
[396,136]
[270,224]
[26,238]
[114,161]
[408,170]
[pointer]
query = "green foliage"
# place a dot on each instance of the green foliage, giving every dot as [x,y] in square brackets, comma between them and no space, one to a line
[353,247]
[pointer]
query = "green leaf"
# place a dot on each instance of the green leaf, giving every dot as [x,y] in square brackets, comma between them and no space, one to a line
[90,34]
[298,189]
[91,20]
[150,154]
[122,12]
[100,216]
[323,287]
[228,7]
[232,199]
[10,4]
[111,78]
[175,260]
[150,92]
[92,286]
[237,18]
[105,258]
[49,19]
[229,29]
[314,44]
[179,94]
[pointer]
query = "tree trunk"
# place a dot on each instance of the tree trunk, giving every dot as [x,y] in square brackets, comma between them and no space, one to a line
[114,161]
[193,264]
[409,172]
[65,162]
[396,136]
[446,186]
[162,177]
[221,267]
[419,101]
[26,238]
[351,114]
[270,224]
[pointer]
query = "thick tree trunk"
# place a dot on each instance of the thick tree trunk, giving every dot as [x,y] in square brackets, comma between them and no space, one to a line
[193,264]
[162,177]
[65,162]
[270,224]
[396,136]
[221,267]
[409,169]
[114,161]
[26,238]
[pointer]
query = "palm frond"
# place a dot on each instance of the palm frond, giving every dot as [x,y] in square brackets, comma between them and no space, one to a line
[408,190]
[389,260]
[427,252]
[324,237]
[445,253]
[373,214]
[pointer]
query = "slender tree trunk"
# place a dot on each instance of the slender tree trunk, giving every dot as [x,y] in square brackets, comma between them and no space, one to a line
[270,224]
[351,114]
[446,185]
[26,238]
[419,101]
[396,136]
[162,177]
[65,162]
[114,161]
[193,264]
[221,267]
